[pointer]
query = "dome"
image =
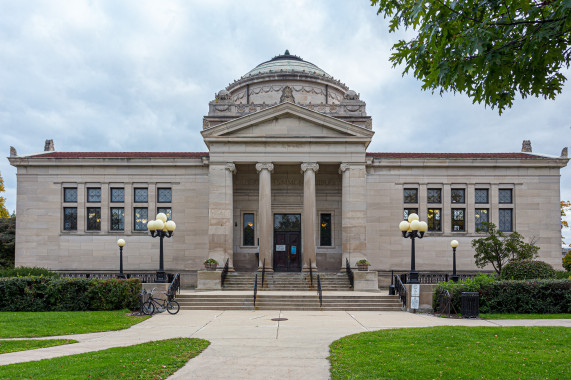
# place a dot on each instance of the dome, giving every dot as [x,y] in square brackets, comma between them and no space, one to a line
[286,63]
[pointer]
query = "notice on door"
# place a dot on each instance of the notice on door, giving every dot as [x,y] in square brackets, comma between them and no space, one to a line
[280,248]
[293,250]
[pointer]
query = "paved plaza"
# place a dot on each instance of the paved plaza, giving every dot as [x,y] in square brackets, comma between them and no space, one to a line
[248,344]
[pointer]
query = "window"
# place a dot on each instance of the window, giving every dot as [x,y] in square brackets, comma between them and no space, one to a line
[141,195]
[70,218]
[408,211]
[165,210]
[117,219]
[94,194]
[458,195]
[434,220]
[505,196]
[164,195]
[94,218]
[434,196]
[458,220]
[481,215]
[117,195]
[482,196]
[506,220]
[70,194]
[141,216]
[325,230]
[410,195]
[249,231]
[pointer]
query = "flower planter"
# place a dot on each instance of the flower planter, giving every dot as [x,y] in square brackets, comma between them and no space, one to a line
[362,268]
[211,267]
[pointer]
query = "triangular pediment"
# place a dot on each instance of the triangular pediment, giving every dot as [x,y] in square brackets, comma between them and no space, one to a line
[287,121]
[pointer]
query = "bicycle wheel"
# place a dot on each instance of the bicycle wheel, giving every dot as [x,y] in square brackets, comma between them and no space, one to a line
[148,308]
[173,307]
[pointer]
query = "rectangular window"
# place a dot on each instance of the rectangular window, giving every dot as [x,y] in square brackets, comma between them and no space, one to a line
[164,195]
[434,221]
[410,195]
[482,196]
[141,195]
[505,196]
[434,196]
[458,195]
[70,218]
[458,220]
[325,239]
[408,211]
[94,218]
[70,194]
[506,220]
[117,195]
[481,215]
[141,217]
[165,210]
[94,194]
[117,219]
[249,231]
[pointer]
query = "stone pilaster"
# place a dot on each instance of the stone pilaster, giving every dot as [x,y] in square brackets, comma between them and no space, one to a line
[309,222]
[353,213]
[220,212]
[265,222]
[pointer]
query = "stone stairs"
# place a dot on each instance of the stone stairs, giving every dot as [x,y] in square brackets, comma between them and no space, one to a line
[286,282]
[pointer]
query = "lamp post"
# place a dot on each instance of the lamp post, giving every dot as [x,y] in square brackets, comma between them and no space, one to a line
[454,244]
[121,244]
[413,229]
[161,228]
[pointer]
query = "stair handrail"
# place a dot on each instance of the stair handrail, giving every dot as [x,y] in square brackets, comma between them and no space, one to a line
[310,274]
[263,272]
[224,272]
[174,287]
[255,288]
[401,290]
[349,272]
[319,291]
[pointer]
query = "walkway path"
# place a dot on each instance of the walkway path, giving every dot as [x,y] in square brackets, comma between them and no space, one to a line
[248,344]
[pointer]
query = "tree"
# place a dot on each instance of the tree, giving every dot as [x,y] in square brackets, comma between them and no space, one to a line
[565,205]
[3,211]
[498,248]
[489,49]
[7,241]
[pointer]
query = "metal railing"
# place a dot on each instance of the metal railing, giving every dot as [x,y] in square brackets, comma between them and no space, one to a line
[319,291]
[311,275]
[255,288]
[174,287]
[349,272]
[435,278]
[144,277]
[263,272]
[224,272]
[400,289]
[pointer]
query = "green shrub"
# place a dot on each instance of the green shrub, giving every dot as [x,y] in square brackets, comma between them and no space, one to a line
[567,262]
[562,275]
[527,270]
[27,272]
[67,294]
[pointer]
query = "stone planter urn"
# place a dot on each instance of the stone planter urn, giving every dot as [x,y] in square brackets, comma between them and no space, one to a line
[210,264]
[363,265]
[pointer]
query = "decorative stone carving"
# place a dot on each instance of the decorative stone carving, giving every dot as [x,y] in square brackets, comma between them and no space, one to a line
[49,146]
[231,167]
[564,153]
[309,166]
[287,95]
[223,95]
[343,167]
[205,124]
[369,124]
[13,152]
[526,146]
[351,95]
[265,165]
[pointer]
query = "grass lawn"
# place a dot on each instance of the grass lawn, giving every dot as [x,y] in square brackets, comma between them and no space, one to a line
[525,316]
[152,360]
[24,345]
[454,352]
[50,323]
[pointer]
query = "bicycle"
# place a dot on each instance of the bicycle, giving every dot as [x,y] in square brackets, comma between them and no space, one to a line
[159,305]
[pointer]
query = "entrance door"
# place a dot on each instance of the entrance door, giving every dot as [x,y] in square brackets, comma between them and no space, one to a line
[287,242]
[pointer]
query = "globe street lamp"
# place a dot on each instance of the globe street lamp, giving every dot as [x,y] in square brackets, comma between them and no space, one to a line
[121,244]
[413,229]
[161,228]
[454,244]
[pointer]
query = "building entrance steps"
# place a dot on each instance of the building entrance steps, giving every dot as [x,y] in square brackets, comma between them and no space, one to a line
[295,281]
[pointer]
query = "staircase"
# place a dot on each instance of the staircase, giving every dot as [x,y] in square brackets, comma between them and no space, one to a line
[287,281]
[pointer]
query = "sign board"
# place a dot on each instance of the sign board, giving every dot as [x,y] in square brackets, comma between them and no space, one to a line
[414,302]
[293,250]
[280,248]
[415,290]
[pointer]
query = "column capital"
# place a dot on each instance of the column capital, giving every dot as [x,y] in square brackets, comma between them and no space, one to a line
[309,166]
[264,165]
[230,167]
[344,167]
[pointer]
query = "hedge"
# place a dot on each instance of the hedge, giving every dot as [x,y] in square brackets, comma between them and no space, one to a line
[67,294]
[27,272]
[527,270]
[509,296]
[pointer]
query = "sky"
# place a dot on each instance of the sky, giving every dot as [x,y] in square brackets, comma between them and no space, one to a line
[137,75]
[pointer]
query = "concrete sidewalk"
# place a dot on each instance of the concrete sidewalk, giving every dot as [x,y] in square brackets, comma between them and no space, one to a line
[248,344]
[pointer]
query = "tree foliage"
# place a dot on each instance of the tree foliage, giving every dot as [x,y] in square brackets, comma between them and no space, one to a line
[3,211]
[565,206]
[498,248]
[489,49]
[7,241]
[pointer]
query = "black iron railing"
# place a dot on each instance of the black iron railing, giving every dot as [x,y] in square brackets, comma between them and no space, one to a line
[255,288]
[400,289]
[174,287]
[144,277]
[263,272]
[224,272]
[319,291]
[349,272]
[435,278]
[311,274]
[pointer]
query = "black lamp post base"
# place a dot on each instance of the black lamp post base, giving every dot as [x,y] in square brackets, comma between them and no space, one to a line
[413,278]
[454,278]
[161,276]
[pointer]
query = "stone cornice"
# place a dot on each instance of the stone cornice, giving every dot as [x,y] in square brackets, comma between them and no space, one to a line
[466,162]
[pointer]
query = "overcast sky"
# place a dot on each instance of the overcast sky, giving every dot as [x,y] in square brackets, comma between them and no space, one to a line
[138,76]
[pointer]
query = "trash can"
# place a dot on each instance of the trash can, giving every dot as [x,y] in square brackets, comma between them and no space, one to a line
[470,304]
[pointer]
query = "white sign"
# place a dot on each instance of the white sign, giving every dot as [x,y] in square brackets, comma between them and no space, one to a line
[415,290]
[414,302]
[280,248]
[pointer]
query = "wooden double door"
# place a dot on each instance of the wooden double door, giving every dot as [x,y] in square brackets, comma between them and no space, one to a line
[287,242]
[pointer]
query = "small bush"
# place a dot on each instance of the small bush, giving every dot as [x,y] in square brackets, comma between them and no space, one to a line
[527,270]
[562,275]
[28,272]
[567,262]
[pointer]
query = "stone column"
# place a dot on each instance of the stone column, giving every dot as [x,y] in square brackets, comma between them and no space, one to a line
[220,213]
[308,222]
[265,223]
[353,213]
